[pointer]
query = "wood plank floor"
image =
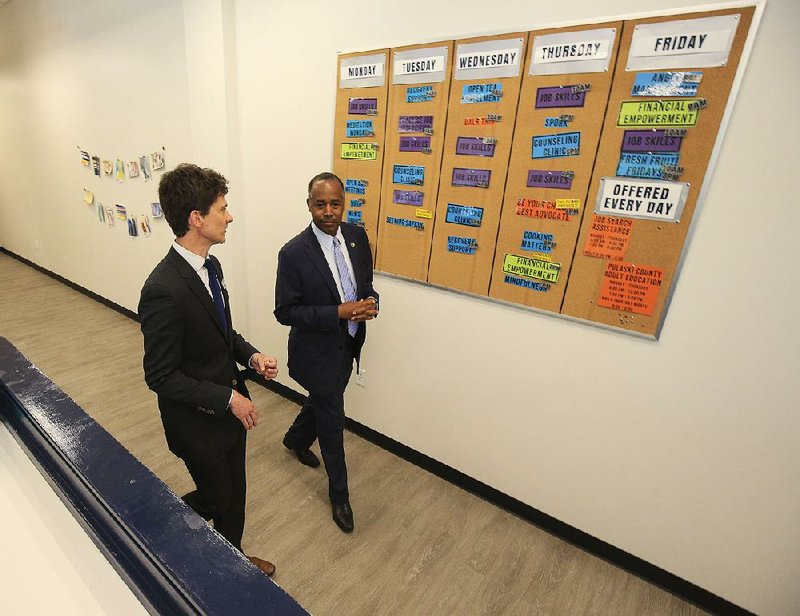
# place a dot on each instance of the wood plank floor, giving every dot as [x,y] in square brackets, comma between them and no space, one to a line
[421,546]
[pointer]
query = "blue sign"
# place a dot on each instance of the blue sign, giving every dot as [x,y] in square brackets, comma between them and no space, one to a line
[408,174]
[556,146]
[642,165]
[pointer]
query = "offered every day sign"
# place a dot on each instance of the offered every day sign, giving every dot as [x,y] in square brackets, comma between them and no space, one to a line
[646,199]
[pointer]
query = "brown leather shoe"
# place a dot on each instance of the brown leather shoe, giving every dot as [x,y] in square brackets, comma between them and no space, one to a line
[266,567]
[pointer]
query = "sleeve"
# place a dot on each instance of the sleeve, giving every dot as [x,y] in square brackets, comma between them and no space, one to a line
[290,307]
[162,326]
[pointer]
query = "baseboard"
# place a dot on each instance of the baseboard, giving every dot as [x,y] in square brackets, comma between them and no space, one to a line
[98,298]
[633,564]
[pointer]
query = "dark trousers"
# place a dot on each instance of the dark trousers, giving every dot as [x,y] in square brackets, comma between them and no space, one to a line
[322,417]
[221,490]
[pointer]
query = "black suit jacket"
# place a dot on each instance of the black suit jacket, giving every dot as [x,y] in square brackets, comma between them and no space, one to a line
[306,299]
[190,360]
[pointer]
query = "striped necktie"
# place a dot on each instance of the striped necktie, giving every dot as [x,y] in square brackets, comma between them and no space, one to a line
[348,287]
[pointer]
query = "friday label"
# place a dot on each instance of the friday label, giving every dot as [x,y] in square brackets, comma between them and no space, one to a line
[474,146]
[556,146]
[471,177]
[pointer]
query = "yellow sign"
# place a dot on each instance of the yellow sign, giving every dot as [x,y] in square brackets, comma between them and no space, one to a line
[531,268]
[420,213]
[568,204]
[360,151]
[659,113]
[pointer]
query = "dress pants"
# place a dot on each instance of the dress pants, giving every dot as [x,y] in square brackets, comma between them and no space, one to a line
[322,417]
[221,490]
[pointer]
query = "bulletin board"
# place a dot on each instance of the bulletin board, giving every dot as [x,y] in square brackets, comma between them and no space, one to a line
[477,144]
[562,106]
[658,137]
[418,95]
[359,133]
[565,180]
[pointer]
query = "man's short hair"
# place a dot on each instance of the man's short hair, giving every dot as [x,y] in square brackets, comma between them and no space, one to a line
[323,177]
[186,188]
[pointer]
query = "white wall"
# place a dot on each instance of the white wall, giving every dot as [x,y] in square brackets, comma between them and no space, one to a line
[682,451]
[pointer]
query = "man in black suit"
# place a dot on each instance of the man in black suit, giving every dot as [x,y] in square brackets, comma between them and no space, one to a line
[191,351]
[324,292]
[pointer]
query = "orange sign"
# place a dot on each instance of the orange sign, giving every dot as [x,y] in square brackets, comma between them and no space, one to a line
[629,287]
[608,238]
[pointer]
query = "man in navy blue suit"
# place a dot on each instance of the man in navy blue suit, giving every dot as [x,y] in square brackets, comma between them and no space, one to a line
[324,293]
[191,352]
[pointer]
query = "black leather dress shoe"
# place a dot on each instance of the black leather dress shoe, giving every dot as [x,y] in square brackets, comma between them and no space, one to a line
[343,516]
[306,456]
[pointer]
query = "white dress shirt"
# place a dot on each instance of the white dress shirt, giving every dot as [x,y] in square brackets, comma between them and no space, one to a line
[326,243]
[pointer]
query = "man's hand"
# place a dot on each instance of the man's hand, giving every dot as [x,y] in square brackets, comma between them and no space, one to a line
[263,364]
[361,310]
[244,410]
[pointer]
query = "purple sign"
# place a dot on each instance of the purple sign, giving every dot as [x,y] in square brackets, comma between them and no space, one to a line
[539,178]
[415,144]
[415,124]
[408,197]
[363,106]
[471,177]
[559,96]
[474,146]
[650,141]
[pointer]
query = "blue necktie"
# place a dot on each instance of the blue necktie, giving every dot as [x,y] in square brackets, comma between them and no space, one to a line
[348,287]
[216,293]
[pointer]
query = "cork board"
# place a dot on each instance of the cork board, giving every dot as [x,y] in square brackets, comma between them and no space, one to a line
[358,136]
[477,145]
[561,112]
[634,233]
[418,95]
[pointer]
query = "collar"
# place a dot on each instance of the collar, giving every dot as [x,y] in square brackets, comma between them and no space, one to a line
[327,240]
[194,260]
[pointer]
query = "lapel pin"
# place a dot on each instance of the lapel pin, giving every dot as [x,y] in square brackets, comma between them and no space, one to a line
[352,244]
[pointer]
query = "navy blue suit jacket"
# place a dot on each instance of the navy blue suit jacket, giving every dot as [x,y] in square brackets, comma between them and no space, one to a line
[190,359]
[306,299]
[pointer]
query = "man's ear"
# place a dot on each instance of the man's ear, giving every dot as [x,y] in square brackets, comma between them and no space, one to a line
[195,219]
